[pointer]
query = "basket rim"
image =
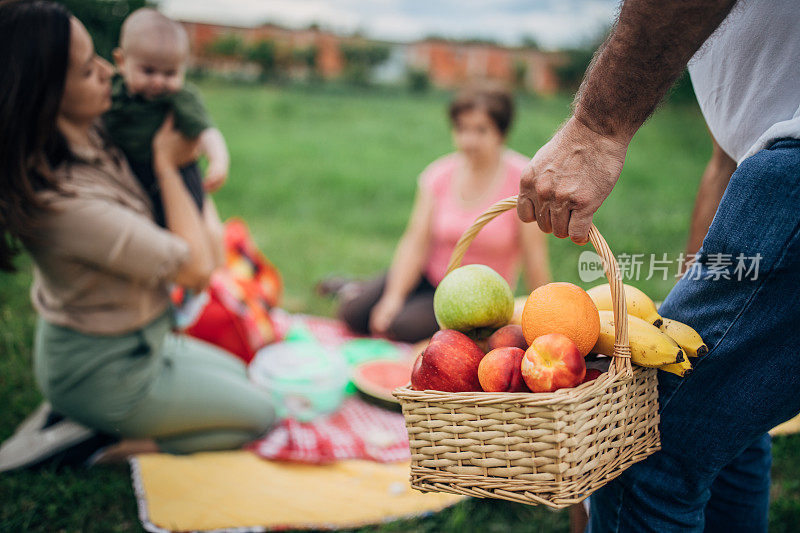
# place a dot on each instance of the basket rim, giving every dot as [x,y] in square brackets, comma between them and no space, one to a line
[622,351]
[561,396]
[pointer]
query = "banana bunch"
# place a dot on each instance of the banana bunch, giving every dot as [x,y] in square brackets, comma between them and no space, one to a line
[519,306]
[638,303]
[687,338]
[682,369]
[654,347]
[649,346]
[690,342]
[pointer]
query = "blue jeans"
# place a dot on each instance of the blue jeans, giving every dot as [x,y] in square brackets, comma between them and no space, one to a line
[712,472]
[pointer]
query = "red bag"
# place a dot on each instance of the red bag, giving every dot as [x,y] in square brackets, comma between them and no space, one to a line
[240,295]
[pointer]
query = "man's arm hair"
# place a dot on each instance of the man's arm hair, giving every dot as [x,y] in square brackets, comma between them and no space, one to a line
[643,56]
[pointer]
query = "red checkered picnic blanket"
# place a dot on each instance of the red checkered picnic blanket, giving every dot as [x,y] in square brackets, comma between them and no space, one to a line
[357,430]
[329,332]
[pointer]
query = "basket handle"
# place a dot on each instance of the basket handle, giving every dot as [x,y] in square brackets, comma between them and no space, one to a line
[622,350]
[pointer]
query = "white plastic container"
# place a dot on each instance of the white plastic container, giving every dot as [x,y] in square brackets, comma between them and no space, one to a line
[304,379]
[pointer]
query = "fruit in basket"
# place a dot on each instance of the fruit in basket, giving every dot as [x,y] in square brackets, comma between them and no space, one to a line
[561,308]
[591,375]
[510,335]
[473,299]
[501,370]
[682,369]
[449,363]
[519,306]
[552,362]
[687,338]
[638,303]
[649,346]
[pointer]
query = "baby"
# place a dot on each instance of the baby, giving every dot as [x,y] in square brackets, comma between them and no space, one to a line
[151,63]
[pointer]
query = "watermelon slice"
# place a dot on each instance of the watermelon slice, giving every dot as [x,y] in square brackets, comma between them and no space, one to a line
[380,377]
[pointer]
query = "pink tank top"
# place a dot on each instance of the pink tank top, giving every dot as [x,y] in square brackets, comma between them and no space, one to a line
[498,243]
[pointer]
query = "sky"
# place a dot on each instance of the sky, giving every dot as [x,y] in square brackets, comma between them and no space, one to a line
[553,23]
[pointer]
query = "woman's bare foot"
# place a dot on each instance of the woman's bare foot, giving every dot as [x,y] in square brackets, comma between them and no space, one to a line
[120,452]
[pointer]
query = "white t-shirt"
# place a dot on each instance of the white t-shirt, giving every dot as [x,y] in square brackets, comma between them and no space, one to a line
[747,76]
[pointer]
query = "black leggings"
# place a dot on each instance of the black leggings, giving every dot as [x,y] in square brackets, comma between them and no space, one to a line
[413,323]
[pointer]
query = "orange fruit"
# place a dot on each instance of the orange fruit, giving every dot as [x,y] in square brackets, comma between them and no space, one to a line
[561,308]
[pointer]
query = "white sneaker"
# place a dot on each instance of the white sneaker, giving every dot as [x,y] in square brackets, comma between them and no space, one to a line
[31,443]
[36,419]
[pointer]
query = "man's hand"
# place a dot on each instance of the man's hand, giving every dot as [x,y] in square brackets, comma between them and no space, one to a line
[568,179]
[650,44]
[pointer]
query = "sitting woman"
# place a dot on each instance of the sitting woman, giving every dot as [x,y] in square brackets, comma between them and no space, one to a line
[452,192]
[104,354]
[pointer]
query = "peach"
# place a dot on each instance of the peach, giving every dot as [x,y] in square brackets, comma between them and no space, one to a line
[552,362]
[500,370]
[510,335]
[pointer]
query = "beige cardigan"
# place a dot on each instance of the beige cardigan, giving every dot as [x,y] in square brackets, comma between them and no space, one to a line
[101,265]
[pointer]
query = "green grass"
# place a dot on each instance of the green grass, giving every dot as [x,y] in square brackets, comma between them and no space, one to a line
[326,183]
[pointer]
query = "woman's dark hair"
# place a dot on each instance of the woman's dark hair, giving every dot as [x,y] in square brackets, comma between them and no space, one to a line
[495,100]
[34,55]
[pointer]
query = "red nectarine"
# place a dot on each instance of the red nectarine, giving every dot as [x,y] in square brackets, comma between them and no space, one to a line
[552,362]
[591,375]
[501,370]
[510,335]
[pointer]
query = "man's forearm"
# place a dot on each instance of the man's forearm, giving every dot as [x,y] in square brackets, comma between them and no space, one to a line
[644,55]
[712,186]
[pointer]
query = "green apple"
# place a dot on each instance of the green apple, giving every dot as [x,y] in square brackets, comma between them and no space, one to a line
[473,299]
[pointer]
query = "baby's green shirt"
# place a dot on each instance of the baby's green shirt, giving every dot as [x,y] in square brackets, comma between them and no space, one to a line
[133,121]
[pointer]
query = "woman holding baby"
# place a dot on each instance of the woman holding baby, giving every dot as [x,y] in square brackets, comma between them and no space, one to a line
[104,354]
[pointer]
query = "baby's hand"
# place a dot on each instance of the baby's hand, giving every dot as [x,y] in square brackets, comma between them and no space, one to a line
[218,159]
[216,174]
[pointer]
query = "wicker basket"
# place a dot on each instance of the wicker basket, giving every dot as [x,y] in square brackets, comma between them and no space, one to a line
[536,448]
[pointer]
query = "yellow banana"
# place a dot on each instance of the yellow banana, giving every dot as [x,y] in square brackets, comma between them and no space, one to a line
[649,347]
[687,338]
[638,303]
[519,306]
[683,369]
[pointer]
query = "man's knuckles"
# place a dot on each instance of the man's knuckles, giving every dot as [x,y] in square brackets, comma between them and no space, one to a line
[565,197]
[543,189]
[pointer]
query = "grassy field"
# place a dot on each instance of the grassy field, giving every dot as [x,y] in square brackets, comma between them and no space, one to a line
[326,183]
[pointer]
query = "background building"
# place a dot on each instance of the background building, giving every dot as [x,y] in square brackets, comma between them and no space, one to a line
[313,51]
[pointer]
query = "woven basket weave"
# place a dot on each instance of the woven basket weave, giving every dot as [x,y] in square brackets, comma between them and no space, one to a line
[536,448]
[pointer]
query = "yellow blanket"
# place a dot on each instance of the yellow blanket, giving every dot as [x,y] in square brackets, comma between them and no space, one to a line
[226,490]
